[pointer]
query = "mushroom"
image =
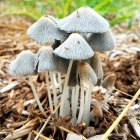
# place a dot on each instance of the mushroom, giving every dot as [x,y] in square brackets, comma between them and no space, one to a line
[24,65]
[74,48]
[108,83]
[88,78]
[73,83]
[102,41]
[47,61]
[45,31]
[96,113]
[96,64]
[83,20]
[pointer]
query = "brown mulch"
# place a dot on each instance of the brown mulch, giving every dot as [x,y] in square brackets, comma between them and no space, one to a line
[13,39]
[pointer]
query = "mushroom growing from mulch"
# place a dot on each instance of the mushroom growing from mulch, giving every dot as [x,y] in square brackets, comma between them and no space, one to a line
[72,40]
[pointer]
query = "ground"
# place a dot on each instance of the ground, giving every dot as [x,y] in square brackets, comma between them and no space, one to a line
[15,110]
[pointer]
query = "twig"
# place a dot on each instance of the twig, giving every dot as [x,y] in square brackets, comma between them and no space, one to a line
[40,135]
[46,122]
[105,136]
[68,131]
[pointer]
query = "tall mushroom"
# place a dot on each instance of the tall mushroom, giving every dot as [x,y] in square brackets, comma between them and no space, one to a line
[88,78]
[74,48]
[49,62]
[73,83]
[24,65]
[96,64]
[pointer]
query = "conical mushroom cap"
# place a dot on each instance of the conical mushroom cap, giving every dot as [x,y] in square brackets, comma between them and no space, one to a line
[86,74]
[45,31]
[84,19]
[75,47]
[24,64]
[49,61]
[102,41]
[96,64]
[109,81]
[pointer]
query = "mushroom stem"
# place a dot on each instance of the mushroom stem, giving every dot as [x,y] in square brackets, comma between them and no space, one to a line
[54,92]
[48,91]
[60,82]
[75,95]
[81,110]
[64,94]
[36,96]
[86,115]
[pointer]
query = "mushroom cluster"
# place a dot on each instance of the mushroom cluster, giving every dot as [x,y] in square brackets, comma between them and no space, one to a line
[71,47]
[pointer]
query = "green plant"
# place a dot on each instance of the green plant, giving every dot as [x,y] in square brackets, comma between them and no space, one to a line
[115,11]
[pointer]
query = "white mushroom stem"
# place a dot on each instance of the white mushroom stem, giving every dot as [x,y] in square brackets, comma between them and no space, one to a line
[48,91]
[54,92]
[75,97]
[86,115]
[81,110]
[36,96]
[64,94]
[60,82]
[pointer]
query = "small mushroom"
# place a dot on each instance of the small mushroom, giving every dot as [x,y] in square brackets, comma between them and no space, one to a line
[47,61]
[74,48]
[96,113]
[108,83]
[96,64]
[84,20]
[88,78]
[102,41]
[45,31]
[24,65]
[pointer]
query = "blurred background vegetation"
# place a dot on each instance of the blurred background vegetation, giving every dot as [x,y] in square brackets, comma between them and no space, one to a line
[115,11]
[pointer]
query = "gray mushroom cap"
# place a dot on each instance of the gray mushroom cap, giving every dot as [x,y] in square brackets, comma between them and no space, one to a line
[47,60]
[45,31]
[86,74]
[96,64]
[84,19]
[75,48]
[102,41]
[24,64]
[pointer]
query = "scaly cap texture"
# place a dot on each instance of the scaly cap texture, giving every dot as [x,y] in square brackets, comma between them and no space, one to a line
[47,60]
[75,48]
[45,31]
[84,20]
[24,64]
[102,41]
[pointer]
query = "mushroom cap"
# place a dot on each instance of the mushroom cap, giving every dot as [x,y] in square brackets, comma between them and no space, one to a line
[45,31]
[75,48]
[86,74]
[84,19]
[102,41]
[24,64]
[96,64]
[47,60]
[109,81]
